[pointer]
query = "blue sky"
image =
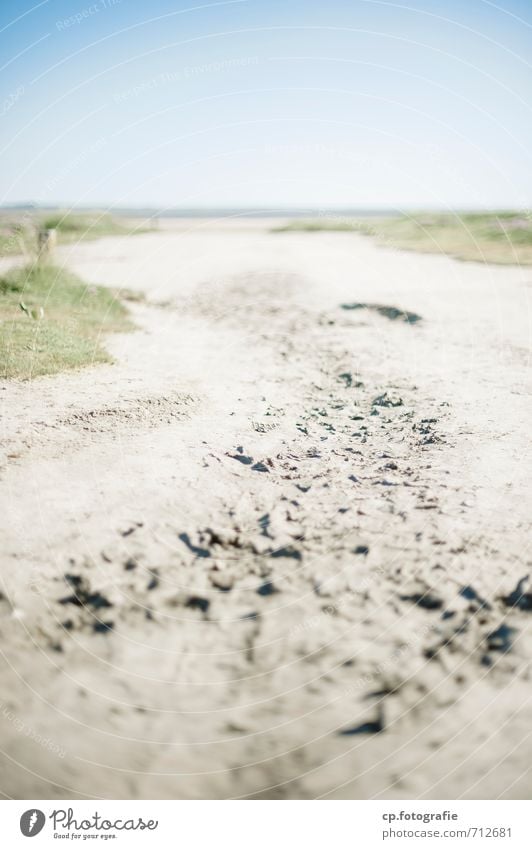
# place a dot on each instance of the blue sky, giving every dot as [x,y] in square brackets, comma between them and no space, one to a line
[267,103]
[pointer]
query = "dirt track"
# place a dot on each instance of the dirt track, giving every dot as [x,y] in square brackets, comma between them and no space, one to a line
[296,530]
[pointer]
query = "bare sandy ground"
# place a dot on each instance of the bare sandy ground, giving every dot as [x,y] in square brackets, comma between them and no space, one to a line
[275,551]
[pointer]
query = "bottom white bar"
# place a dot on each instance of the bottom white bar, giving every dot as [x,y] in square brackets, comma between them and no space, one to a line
[261,824]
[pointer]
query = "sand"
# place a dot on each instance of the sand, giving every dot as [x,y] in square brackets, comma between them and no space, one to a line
[274,551]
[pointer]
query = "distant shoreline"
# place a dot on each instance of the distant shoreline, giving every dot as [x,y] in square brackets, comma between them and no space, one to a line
[234,212]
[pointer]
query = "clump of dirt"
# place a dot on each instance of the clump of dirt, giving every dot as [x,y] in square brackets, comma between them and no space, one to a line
[391,313]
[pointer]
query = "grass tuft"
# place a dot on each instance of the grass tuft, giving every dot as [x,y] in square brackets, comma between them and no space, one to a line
[50,321]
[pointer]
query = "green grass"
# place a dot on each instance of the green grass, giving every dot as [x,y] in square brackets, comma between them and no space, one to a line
[495,237]
[312,225]
[18,233]
[50,321]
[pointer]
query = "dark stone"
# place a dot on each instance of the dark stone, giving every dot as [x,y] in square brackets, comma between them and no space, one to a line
[264,523]
[384,400]
[470,594]
[370,727]
[425,600]
[391,313]
[103,627]
[501,639]
[74,580]
[242,458]
[518,598]
[195,549]
[97,600]
[82,596]
[196,602]
[287,551]
[267,589]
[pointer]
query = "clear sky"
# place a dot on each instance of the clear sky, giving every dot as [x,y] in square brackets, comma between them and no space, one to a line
[366,103]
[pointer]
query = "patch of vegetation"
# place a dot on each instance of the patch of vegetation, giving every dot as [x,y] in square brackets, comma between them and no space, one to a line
[496,237]
[50,320]
[70,227]
[19,233]
[314,225]
[490,237]
[16,235]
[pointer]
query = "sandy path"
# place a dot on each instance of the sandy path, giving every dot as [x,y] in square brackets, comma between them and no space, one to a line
[295,528]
